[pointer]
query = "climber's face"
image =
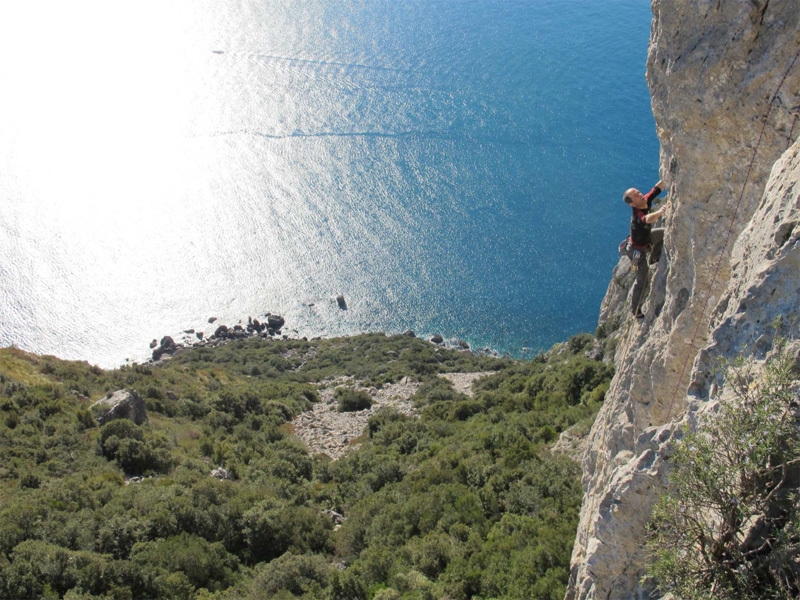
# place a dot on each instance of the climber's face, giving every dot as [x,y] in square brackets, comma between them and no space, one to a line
[635,198]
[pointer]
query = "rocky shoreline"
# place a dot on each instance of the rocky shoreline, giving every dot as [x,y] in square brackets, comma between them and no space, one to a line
[272,327]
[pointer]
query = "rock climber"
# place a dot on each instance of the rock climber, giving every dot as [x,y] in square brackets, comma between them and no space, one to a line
[644,239]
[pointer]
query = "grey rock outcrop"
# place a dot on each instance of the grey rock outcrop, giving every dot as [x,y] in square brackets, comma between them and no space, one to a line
[167,347]
[725,85]
[275,322]
[221,473]
[122,404]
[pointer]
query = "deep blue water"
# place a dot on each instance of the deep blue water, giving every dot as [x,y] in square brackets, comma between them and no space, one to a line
[450,167]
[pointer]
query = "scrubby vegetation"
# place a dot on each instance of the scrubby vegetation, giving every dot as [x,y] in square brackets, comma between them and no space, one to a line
[466,501]
[730,525]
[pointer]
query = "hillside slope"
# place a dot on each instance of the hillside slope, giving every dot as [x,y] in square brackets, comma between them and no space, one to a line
[444,482]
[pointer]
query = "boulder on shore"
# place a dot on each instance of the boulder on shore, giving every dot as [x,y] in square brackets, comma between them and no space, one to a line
[167,346]
[122,404]
[275,322]
[254,325]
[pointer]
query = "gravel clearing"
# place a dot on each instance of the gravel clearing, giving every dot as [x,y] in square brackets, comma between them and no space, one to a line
[324,430]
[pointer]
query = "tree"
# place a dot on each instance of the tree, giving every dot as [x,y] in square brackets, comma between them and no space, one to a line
[729,526]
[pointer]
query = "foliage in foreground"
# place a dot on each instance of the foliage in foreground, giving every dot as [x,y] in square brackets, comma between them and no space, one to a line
[729,527]
[465,501]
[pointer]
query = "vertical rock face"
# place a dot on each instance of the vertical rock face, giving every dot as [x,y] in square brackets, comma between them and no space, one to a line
[725,84]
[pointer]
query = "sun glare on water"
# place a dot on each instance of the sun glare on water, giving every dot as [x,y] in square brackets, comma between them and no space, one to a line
[162,162]
[100,112]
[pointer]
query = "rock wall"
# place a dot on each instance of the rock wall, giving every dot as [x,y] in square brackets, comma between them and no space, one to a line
[724,79]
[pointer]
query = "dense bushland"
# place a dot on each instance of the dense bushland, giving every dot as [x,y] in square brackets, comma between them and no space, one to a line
[466,501]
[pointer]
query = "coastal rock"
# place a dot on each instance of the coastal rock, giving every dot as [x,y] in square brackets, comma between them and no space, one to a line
[336,517]
[764,287]
[166,347]
[255,326]
[409,333]
[212,319]
[340,301]
[221,331]
[237,333]
[275,322]
[437,339]
[724,78]
[122,404]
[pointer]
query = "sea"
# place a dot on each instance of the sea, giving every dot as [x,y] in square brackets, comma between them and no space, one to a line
[448,167]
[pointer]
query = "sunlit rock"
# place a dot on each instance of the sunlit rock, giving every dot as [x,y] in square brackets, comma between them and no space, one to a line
[724,79]
[122,404]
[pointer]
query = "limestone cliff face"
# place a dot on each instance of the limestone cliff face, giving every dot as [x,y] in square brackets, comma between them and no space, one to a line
[725,84]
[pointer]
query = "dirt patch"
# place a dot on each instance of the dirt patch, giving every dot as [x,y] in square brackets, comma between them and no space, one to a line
[462,382]
[324,430]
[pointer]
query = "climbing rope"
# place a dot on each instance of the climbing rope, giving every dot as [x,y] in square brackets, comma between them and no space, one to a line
[728,235]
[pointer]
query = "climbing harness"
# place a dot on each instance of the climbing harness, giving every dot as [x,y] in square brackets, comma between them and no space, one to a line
[633,251]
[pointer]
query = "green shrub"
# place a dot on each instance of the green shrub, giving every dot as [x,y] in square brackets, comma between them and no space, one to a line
[382,418]
[271,528]
[117,534]
[123,441]
[37,569]
[85,419]
[461,411]
[349,400]
[296,574]
[606,328]
[204,564]
[729,524]
[113,432]
[578,342]
[29,480]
